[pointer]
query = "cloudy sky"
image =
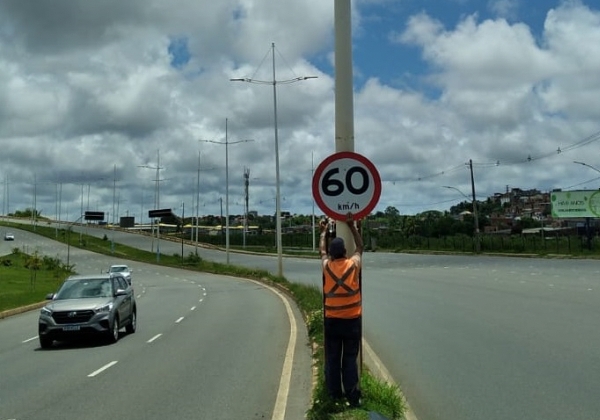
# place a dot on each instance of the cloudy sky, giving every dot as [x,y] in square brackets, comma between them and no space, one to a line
[95,96]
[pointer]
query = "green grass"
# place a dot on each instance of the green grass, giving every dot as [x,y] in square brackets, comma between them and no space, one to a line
[377,395]
[27,279]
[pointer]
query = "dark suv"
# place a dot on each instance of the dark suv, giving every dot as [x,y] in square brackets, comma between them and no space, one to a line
[98,304]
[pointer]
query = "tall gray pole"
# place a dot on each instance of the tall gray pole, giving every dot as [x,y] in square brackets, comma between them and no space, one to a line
[197,201]
[277,190]
[226,194]
[475,213]
[344,94]
[313,203]
[158,204]
[112,240]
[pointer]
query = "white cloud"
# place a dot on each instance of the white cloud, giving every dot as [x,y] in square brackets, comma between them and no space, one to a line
[89,85]
[507,9]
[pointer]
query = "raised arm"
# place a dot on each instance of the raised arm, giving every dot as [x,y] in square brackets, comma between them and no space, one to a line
[323,240]
[358,242]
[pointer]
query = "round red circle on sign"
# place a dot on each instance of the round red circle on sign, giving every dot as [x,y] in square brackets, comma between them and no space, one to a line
[346,182]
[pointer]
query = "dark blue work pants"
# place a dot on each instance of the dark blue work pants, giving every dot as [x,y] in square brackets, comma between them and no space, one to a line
[342,344]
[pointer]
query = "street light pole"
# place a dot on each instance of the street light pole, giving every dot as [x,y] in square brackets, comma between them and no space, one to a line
[277,188]
[475,214]
[197,203]
[274,82]
[156,202]
[226,143]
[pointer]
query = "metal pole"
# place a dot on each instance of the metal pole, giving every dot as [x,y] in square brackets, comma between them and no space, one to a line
[344,112]
[344,100]
[112,241]
[246,184]
[313,202]
[226,194]
[81,231]
[475,215]
[158,204]
[197,201]
[34,215]
[277,190]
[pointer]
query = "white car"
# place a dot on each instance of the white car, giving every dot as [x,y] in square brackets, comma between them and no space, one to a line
[123,270]
[9,237]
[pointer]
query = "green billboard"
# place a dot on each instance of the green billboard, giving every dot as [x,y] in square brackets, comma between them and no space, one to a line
[575,203]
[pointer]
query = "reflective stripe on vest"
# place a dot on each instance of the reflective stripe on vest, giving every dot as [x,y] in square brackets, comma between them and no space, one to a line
[342,298]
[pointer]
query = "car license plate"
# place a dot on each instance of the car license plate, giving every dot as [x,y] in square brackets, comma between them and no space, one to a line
[71,328]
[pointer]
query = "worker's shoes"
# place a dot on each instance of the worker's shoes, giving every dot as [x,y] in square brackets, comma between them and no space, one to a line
[354,402]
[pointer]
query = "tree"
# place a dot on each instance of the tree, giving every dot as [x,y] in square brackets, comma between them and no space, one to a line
[393,217]
[27,213]
[33,263]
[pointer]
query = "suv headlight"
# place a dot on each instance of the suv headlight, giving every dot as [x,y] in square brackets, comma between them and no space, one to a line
[105,308]
[45,311]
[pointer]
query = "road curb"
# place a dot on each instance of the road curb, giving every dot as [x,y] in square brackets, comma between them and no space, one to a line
[378,369]
[22,309]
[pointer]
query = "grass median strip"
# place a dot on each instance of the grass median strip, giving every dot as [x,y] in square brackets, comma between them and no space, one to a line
[378,396]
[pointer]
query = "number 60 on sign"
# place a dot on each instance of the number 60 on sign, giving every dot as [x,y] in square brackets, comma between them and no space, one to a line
[346,182]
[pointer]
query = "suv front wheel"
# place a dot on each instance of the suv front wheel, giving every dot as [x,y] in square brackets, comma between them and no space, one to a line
[113,334]
[130,328]
[45,343]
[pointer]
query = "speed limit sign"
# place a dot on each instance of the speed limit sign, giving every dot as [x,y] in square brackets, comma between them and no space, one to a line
[346,182]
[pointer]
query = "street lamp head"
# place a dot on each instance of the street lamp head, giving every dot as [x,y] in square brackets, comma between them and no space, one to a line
[586,164]
[456,189]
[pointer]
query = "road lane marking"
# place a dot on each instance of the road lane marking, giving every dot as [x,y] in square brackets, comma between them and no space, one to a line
[179,320]
[154,338]
[193,308]
[30,339]
[102,369]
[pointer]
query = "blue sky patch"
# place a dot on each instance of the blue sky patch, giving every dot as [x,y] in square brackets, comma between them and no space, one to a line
[179,52]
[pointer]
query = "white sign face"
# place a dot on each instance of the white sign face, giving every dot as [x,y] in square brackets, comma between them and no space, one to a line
[346,182]
[572,204]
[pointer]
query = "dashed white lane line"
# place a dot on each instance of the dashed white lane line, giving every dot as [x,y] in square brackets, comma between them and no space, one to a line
[102,369]
[154,338]
[29,339]
[179,320]
[193,308]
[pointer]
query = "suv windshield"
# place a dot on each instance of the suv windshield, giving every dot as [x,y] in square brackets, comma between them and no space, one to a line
[118,269]
[89,288]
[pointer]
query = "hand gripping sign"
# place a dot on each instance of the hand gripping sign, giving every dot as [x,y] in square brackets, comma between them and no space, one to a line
[346,182]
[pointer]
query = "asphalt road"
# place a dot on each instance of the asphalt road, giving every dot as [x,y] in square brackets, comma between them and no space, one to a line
[474,337]
[206,347]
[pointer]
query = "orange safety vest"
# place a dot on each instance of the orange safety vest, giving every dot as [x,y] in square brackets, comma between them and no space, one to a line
[341,289]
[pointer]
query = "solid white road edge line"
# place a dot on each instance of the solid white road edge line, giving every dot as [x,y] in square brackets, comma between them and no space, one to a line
[286,372]
[102,369]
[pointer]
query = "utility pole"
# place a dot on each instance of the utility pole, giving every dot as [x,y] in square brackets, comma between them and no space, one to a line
[475,213]
[156,203]
[246,184]
[112,243]
[197,202]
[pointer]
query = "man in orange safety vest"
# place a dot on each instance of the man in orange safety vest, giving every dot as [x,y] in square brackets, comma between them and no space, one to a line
[343,310]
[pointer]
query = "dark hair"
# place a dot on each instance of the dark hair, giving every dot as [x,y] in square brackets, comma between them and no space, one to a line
[337,249]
